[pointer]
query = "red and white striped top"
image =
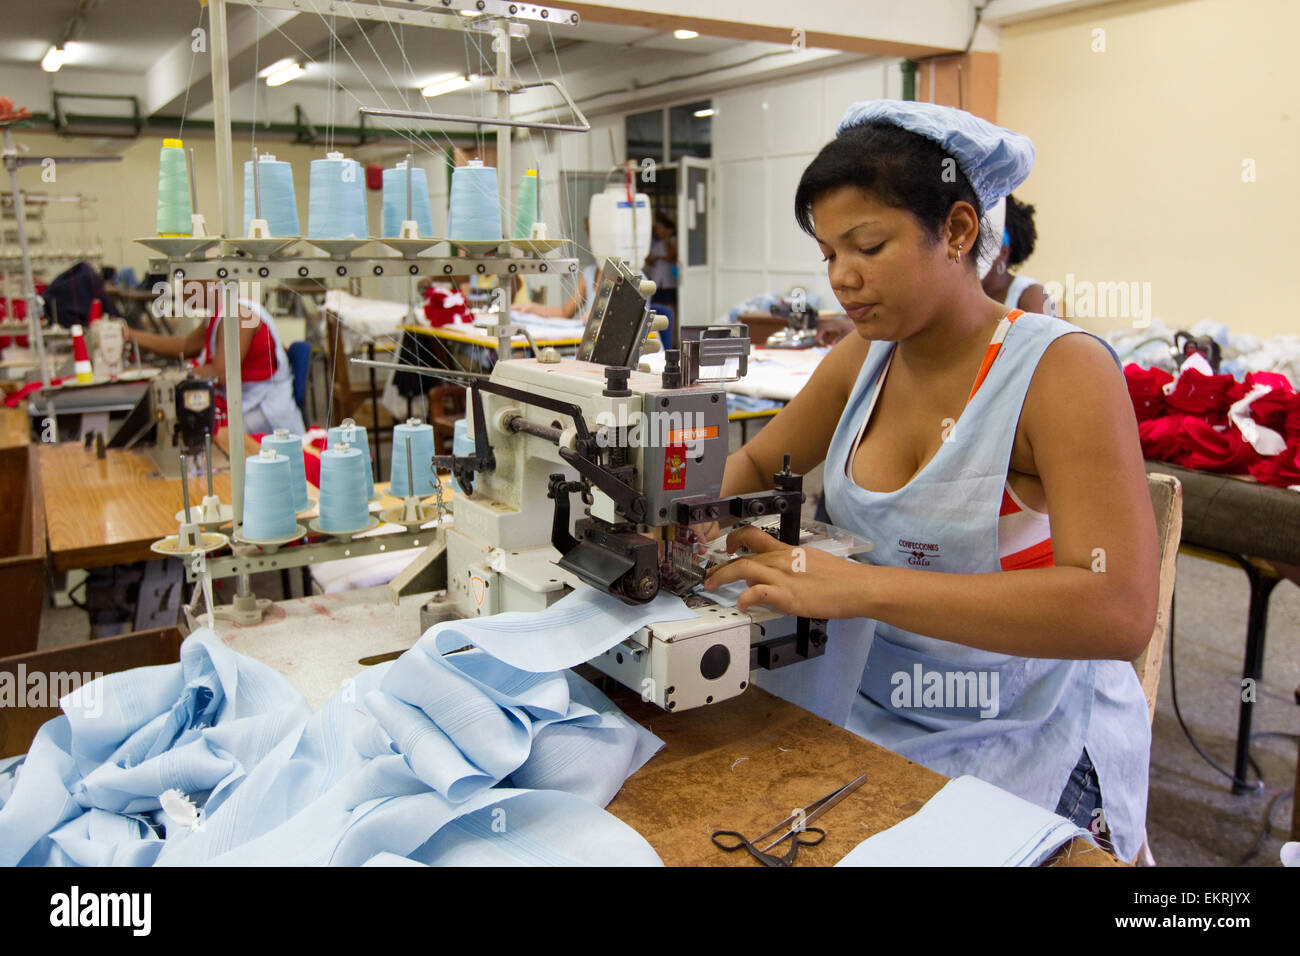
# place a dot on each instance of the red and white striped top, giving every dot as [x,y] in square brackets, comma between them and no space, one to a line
[1024,535]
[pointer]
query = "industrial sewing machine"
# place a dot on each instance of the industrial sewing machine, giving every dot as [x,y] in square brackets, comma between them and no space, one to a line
[644,453]
[178,408]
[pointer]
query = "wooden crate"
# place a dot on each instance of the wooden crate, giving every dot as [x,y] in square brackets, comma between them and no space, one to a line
[22,550]
[18,725]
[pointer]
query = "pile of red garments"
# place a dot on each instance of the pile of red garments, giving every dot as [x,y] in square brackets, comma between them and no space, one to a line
[443,305]
[1190,421]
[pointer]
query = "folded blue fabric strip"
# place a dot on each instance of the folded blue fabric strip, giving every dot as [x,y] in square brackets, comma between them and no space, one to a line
[969,823]
[433,758]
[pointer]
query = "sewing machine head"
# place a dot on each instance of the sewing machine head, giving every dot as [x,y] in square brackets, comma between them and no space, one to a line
[178,409]
[645,454]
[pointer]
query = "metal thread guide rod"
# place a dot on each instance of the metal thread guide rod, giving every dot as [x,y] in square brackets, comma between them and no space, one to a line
[198,227]
[194,189]
[410,472]
[207,458]
[412,510]
[185,489]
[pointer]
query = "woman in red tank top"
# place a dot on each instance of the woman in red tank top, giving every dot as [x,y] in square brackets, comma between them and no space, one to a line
[206,345]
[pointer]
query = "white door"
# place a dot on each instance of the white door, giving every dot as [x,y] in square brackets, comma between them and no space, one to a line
[694,249]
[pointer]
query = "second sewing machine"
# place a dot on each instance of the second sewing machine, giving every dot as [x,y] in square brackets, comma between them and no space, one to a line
[645,454]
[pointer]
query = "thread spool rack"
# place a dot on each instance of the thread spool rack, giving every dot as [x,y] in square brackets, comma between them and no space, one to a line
[258,258]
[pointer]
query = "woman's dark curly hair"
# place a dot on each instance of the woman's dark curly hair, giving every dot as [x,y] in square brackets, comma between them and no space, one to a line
[901,168]
[1021,229]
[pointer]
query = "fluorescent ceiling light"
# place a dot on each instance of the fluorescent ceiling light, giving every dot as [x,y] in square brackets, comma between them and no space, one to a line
[700,114]
[285,74]
[447,84]
[276,67]
[685,34]
[53,59]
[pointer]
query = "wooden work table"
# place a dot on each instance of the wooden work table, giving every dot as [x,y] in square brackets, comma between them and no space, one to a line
[107,511]
[748,762]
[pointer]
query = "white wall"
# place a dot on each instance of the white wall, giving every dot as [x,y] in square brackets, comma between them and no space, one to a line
[1167,138]
[763,138]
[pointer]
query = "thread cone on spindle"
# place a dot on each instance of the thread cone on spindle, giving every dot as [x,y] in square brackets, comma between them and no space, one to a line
[175,216]
[473,213]
[283,442]
[344,507]
[268,497]
[355,435]
[337,199]
[81,357]
[421,439]
[275,190]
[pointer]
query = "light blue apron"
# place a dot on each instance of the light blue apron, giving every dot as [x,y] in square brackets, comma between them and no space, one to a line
[884,683]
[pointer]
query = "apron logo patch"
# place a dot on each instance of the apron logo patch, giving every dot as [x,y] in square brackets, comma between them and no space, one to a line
[919,553]
[947,690]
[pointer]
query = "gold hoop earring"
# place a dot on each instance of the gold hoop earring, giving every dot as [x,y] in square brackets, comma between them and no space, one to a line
[958,259]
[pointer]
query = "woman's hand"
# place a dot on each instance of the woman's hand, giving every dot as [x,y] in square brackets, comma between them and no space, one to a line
[806,582]
[531,308]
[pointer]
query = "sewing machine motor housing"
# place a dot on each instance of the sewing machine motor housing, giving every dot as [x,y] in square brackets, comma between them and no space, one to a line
[179,409]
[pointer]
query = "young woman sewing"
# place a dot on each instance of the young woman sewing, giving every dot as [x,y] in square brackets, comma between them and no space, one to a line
[951,428]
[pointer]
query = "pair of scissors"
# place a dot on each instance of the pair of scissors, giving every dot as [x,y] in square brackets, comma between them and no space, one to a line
[793,828]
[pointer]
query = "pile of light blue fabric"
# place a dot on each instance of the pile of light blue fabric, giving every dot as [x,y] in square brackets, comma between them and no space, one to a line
[435,758]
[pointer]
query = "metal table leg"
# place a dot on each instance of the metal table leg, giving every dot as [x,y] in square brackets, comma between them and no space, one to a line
[374,408]
[1261,588]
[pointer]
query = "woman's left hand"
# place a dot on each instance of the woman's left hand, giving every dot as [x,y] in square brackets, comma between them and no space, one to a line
[806,582]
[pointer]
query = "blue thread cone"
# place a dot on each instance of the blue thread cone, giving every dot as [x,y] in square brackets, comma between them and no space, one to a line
[336,203]
[474,212]
[395,201]
[268,498]
[355,435]
[275,186]
[421,460]
[344,505]
[289,445]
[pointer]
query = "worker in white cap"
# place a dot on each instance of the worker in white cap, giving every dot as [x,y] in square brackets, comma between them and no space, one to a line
[992,458]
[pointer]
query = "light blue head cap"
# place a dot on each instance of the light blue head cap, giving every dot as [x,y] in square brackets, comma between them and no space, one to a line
[995,160]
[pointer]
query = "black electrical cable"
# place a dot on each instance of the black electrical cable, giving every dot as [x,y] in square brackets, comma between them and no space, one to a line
[1173,687]
[1268,822]
[78,585]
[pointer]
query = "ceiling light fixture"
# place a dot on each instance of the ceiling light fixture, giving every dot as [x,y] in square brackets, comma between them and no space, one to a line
[285,74]
[53,59]
[700,114]
[685,34]
[447,84]
[276,67]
